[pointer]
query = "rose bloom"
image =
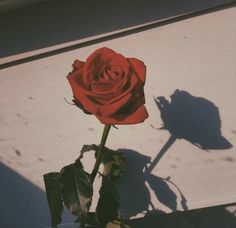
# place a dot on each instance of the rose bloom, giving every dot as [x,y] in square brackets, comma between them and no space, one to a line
[110,86]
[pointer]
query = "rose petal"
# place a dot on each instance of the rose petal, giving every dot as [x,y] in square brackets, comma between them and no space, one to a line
[106,96]
[113,105]
[95,64]
[120,61]
[133,87]
[77,65]
[139,68]
[82,95]
[138,116]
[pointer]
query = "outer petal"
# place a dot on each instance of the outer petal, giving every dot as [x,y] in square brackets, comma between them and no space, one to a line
[82,95]
[139,68]
[138,116]
[77,65]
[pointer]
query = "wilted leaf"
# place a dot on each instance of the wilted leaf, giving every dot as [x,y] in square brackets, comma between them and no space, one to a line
[108,203]
[77,190]
[114,163]
[87,148]
[54,197]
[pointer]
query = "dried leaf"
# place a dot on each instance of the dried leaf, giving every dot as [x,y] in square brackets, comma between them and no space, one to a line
[108,203]
[114,164]
[54,197]
[113,161]
[87,148]
[77,190]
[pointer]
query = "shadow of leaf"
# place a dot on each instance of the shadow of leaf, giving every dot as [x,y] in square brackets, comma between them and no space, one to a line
[134,187]
[134,195]
[162,191]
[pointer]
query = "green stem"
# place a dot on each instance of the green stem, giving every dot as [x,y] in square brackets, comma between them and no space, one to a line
[100,149]
[105,133]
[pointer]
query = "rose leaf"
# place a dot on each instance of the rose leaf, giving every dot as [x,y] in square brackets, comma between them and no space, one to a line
[87,148]
[54,197]
[108,203]
[77,190]
[114,164]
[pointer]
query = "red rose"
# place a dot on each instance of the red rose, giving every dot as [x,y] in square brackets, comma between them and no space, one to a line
[110,86]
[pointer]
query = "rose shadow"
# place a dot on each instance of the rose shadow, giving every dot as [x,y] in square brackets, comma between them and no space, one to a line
[135,185]
[194,119]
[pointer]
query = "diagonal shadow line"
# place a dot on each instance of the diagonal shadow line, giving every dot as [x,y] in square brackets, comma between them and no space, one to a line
[118,34]
[161,153]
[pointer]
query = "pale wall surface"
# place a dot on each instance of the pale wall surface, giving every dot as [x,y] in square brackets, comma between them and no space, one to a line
[40,132]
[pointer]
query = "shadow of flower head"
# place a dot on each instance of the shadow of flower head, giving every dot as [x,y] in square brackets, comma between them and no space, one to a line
[192,118]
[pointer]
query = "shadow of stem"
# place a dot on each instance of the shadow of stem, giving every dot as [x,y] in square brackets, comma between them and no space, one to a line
[161,153]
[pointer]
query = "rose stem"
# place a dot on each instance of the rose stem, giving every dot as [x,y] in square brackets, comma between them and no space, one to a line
[105,133]
[100,149]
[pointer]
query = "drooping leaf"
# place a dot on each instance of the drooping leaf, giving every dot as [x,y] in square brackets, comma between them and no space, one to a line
[54,197]
[77,190]
[114,164]
[108,203]
[113,161]
[87,148]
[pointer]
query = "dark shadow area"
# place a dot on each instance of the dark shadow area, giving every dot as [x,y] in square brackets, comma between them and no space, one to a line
[215,217]
[194,119]
[135,195]
[10,5]
[58,21]
[22,203]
